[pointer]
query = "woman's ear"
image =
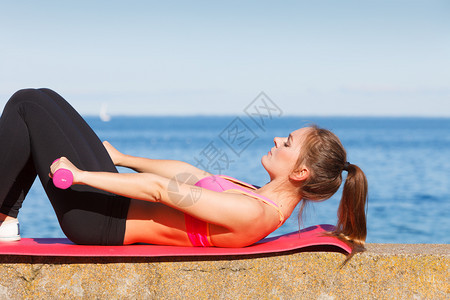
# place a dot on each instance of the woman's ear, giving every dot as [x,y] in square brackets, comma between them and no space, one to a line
[300,174]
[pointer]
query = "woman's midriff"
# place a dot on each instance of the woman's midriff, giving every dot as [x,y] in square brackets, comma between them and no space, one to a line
[155,223]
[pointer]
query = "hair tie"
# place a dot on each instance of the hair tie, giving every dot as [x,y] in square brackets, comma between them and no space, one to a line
[346,165]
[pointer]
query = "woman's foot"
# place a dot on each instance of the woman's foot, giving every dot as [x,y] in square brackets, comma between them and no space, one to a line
[9,230]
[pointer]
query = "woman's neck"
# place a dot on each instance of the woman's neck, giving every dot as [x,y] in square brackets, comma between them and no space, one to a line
[283,193]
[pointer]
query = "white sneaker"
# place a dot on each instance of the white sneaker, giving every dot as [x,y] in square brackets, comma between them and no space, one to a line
[9,231]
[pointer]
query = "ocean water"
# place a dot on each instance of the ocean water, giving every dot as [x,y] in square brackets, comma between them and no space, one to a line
[406,161]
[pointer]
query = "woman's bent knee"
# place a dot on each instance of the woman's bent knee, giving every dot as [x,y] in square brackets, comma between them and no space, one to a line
[21,96]
[25,96]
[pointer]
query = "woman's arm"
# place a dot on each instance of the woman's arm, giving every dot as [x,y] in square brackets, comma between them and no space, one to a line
[165,168]
[235,212]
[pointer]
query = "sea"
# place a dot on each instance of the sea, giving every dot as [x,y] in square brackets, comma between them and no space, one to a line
[406,161]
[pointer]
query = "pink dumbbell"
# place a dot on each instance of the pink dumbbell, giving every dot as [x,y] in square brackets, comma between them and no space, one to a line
[62,178]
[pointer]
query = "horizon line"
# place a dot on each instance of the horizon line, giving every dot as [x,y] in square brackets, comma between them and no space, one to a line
[92,115]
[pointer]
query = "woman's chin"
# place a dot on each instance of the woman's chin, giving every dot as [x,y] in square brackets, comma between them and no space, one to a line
[263,158]
[264,161]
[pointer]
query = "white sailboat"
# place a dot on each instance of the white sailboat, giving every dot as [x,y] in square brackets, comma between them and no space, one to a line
[104,116]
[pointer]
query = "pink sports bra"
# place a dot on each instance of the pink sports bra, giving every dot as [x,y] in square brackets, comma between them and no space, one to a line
[198,230]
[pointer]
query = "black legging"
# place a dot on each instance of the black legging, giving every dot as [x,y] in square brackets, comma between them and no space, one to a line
[37,127]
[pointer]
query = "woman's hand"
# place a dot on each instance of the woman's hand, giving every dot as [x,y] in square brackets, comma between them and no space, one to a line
[116,155]
[64,163]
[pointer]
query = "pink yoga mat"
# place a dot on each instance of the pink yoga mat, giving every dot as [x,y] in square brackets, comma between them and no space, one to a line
[311,236]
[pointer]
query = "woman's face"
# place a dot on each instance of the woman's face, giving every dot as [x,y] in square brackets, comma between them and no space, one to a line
[282,158]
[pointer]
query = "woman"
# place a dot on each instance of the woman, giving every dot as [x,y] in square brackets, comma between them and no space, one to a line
[166,202]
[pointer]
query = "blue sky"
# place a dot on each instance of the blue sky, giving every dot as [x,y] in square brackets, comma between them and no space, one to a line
[365,58]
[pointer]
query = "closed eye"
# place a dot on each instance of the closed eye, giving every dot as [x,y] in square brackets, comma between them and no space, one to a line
[286,144]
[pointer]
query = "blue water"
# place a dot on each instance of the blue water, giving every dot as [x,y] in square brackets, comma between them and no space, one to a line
[406,161]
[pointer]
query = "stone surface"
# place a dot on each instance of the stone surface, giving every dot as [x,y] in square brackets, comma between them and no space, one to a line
[385,271]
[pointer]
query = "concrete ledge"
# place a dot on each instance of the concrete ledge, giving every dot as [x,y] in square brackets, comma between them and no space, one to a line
[385,271]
